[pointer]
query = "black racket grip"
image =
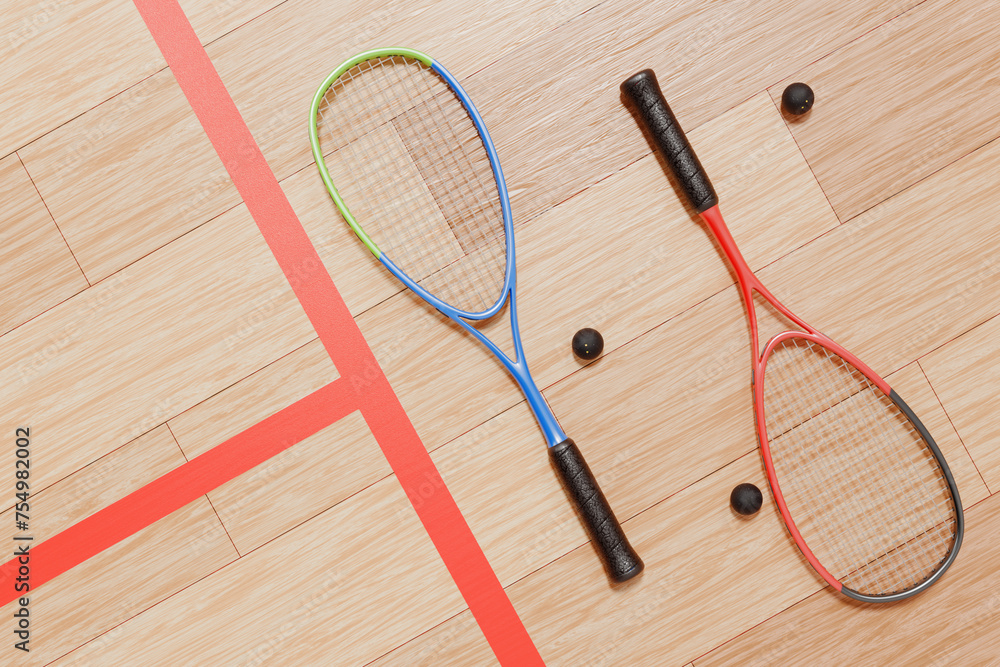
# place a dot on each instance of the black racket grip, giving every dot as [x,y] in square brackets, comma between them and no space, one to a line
[620,559]
[645,94]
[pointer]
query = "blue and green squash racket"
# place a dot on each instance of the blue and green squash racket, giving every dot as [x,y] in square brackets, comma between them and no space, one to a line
[418,180]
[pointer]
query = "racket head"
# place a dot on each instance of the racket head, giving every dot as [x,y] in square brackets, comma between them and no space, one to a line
[410,165]
[860,483]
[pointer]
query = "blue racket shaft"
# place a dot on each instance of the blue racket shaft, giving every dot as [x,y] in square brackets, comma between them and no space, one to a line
[418,180]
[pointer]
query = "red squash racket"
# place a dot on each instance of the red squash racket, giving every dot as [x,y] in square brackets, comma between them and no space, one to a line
[860,483]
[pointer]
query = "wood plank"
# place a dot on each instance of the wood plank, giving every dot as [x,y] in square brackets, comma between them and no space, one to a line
[567,127]
[129,353]
[212,19]
[897,281]
[113,178]
[50,43]
[273,65]
[965,374]
[351,566]
[647,223]
[572,109]
[38,269]
[678,413]
[130,176]
[405,333]
[323,469]
[463,471]
[504,483]
[951,623]
[709,575]
[872,132]
[455,643]
[634,257]
[918,204]
[362,281]
[299,483]
[200,331]
[500,516]
[419,349]
[133,575]
[678,416]
[252,399]
[911,383]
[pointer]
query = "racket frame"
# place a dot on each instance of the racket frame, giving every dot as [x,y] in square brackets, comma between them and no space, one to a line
[749,283]
[671,142]
[517,366]
[620,559]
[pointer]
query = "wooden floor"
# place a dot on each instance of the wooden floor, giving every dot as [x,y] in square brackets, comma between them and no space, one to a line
[144,321]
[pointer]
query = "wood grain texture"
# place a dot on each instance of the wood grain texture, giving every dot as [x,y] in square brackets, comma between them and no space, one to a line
[872,132]
[212,19]
[634,257]
[146,565]
[358,275]
[319,595]
[277,61]
[418,348]
[965,374]
[39,271]
[253,399]
[504,483]
[322,470]
[709,574]
[898,281]
[558,96]
[953,623]
[456,642]
[678,414]
[911,383]
[130,176]
[274,64]
[129,353]
[675,267]
[48,44]
[299,483]
[137,171]
[190,329]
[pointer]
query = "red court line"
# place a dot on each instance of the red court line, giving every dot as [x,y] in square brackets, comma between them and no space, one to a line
[180,486]
[338,332]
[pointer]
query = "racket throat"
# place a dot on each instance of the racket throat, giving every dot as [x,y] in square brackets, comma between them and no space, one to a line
[539,406]
[713,218]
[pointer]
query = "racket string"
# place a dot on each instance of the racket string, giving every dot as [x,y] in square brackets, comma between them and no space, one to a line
[879,519]
[926,514]
[892,477]
[855,467]
[852,467]
[412,169]
[368,188]
[446,167]
[860,553]
[446,290]
[483,235]
[365,150]
[846,475]
[407,235]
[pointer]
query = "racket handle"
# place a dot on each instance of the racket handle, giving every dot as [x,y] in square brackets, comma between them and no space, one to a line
[656,115]
[620,559]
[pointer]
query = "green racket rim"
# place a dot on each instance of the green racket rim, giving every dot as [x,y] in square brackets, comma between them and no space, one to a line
[314,131]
